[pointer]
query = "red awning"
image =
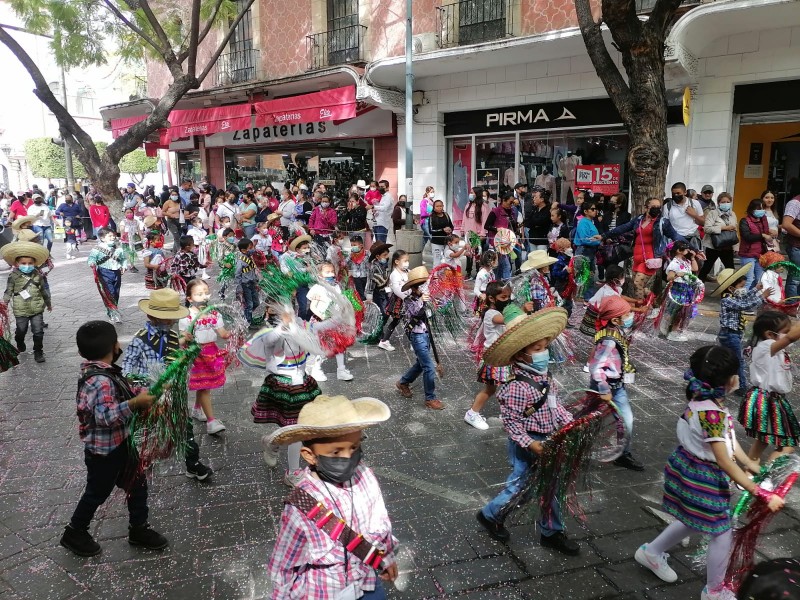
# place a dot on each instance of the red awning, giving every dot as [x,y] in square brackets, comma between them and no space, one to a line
[120,126]
[337,104]
[205,121]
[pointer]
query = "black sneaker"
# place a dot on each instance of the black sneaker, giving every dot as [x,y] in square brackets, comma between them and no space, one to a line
[21,347]
[560,543]
[134,270]
[79,541]
[496,530]
[199,472]
[38,356]
[142,535]
[628,462]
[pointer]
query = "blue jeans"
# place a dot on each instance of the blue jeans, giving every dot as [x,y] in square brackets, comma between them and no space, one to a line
[302,302]
[792,281]
[620,398]
[112,281]
[733,340]
[517,490]
[250,298]
[753,275]
[377,594]
[380,232]
[589,252]
[503,270]
[249,231]
[45,235]
[426,232]
[424,365]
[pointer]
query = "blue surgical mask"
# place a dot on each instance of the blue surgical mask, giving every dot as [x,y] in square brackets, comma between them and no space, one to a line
[539,361]
[324,204]
[725,207]
[627,322]
[27,269]
[330,279]
[759,213]
[231,240]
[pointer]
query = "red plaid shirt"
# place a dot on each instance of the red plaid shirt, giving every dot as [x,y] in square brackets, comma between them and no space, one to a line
[103,412]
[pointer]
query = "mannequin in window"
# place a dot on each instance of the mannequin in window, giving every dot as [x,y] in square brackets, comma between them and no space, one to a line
[509,178]
[567,166]
[546,181]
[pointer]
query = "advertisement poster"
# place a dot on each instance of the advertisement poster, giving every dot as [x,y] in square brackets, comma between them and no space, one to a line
[600,179]
[462,175]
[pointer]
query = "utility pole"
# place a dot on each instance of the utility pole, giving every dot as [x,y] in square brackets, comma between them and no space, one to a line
[409,118]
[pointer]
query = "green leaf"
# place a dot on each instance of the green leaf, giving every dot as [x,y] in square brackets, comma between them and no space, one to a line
[138,163]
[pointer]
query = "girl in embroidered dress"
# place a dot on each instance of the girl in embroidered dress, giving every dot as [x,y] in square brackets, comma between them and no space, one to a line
[765,413]
[153,257]
[698,474]
[679,270]
[208,369]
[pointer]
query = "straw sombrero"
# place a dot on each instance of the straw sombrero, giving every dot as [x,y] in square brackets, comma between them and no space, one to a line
[273,216]
[20,222]
[522,331]
[727,277]
[416,276]
[11,252]
[150,221]
[536,260]
[299,240]
[163,304]
[332,416]
[27,235]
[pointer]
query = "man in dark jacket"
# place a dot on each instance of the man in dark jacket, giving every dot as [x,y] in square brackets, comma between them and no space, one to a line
[537,219]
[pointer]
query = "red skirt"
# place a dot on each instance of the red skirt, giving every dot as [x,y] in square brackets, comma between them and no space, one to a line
[208,370]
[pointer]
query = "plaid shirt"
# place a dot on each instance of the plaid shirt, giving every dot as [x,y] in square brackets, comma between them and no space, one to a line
[148,347]
[306,564]
[358,269]
[516,397]
[731,307]
[185,264]
[103,411]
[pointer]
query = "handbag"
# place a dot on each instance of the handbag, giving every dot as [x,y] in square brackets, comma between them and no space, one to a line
[652,264]
[724,239]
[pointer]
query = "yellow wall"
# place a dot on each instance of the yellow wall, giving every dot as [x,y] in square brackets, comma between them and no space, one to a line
[747,189]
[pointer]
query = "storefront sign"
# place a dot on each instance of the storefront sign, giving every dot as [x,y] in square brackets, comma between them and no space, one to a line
[327,105]
[600,179]
[206,121]
[375,123]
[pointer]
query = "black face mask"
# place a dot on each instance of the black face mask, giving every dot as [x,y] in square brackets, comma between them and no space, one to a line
[654,211]
[500,305]
[337,470]
[677,198]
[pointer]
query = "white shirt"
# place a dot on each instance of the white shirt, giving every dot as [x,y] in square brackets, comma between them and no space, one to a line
[198,235]
[482,279]
[449,258]
[263,242]
[205,331]
[42,213]
[771,373]
[684,224]
[286,208]
[491,330]
[226,210]
[680,266]
[696,435]
[383,211]
[771,280]
[397,279]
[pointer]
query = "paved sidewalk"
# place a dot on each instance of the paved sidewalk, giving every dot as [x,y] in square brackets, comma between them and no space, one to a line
[435,471]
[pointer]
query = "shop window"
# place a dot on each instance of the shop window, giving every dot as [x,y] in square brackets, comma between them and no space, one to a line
[460,179]
[495,162]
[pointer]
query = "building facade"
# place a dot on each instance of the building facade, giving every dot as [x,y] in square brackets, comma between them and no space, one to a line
[505,93]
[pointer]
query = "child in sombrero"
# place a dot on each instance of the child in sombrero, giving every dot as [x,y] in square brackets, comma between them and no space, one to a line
[530,411]
[335,538]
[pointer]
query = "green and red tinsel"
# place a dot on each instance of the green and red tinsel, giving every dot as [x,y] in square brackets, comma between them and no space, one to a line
[8,353]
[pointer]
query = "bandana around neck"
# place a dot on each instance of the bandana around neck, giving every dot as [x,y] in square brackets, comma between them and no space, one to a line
[700,390]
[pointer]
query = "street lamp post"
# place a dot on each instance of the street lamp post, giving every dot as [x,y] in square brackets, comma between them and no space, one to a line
[409,124]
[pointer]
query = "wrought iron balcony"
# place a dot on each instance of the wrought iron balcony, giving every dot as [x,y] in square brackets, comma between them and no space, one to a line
[474,21]
[345,45]
[240,66]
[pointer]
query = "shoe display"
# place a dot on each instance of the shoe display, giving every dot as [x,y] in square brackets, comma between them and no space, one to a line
[476,420]
[79,541]
[628,462]
[560,543]
[344,375]
[214,427]
[199,415]
[144,536]
[386,345]
[657,564]
[497,530]
[199,472]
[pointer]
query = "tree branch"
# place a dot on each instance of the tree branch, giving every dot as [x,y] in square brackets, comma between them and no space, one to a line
[168,53]
[213,60]
[604,65]
[623,22]
[210,22]
[129,24]
[194,32]
[661,16]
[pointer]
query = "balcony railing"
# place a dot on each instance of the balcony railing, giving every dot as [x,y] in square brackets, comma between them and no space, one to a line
[240,66]
[336,47]
[474,21]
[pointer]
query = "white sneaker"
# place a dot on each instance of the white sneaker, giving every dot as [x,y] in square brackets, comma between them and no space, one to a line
[344,375]
[318,374]
[205,275]
[270,455]
[657,564]
[292,478]
[386,345]
[722,594]
[199,415]
[476,420]
[678,337]
[214,427]
[586,368]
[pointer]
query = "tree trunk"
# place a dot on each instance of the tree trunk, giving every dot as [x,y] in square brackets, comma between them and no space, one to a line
[105,178]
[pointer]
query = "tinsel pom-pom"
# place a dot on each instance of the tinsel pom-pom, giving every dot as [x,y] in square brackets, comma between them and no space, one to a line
[8,355]
[358,307]
[371,325]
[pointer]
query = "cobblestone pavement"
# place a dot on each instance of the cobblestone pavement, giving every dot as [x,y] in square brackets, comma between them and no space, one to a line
[435,472]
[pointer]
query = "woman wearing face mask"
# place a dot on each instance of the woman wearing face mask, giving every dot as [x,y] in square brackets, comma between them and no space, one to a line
[323,221]
[440,226]
[99,214]
[474,217]
[754,234]
[287,209]
[247,215]
[652,233]
[719,218]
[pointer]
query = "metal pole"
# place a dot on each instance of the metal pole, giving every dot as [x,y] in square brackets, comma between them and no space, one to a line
[409,119]
[67,151]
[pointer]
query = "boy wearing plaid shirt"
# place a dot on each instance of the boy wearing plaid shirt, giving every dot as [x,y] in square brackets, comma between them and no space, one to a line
[530,412]
[105,406]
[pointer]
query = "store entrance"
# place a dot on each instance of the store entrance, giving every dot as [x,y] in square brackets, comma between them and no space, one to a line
[784,171]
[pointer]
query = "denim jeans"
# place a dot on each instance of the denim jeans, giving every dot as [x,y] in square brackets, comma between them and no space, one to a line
[733,340]
[377,594]
[517,490]
[302,302]
[620,398]
[45,235]
[792,280]
[249,231]
[380,232]
[424,365]
[112,281]
[753,275]
[426,232]
[103,473]
[37,329]
[250,298]
[503,270]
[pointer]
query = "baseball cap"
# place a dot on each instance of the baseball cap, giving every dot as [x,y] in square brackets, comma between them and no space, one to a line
[707,188]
